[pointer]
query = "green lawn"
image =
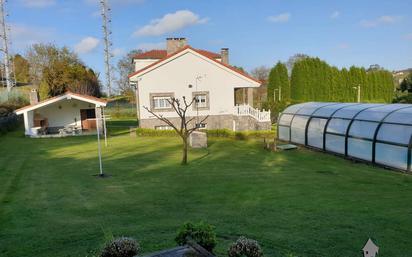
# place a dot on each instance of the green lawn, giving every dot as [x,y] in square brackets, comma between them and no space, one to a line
[303,202]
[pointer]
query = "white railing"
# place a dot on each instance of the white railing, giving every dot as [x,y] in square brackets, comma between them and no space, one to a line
[247,110]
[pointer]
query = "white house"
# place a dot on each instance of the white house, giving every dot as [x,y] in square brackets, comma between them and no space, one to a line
[181,70]
[67,114]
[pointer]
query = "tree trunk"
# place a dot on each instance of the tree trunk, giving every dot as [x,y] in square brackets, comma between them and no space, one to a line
[185,147]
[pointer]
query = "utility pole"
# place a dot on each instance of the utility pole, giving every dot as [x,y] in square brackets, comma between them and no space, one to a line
[105,9]
[5,46]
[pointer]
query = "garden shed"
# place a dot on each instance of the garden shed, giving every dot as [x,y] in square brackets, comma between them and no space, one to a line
[376,133]
[63,115]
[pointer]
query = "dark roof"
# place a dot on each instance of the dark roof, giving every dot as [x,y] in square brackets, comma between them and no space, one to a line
[160,54]
[190,250]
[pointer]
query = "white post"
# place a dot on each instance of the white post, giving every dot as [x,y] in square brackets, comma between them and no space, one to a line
[280,93]
[104,127]
[98,143]
[359,92]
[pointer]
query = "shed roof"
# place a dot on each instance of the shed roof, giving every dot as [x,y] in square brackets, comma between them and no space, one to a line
[65,96]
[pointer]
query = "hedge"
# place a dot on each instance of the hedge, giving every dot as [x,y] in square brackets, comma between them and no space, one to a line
[223,133]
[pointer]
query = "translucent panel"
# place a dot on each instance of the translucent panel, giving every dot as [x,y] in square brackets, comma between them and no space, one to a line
[401,116]
[378,113]
[285,119]
[338,126]
[284,133]
[335,143]
[310,108]
[294,108]
[360,149]
[350,111]
[399,134]
[327,111]
[365,129]
[391,155]
[298,129]
[315,132]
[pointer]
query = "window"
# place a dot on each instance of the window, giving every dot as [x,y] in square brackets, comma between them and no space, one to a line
[163,127]
[201,100]
[201,125]
[161,102]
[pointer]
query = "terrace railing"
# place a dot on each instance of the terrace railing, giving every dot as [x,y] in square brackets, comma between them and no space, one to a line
[247,110]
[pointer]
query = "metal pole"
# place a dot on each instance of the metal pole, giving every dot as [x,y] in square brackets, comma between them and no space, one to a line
[5,48]
[359,94]
[137,103]
[98,142]
[107,44]
[104,127]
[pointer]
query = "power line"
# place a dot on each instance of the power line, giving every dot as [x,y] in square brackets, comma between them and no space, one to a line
[8,69]
[105,9]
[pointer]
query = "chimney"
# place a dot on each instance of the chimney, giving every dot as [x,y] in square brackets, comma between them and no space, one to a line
[34,96]
[224,53]
[175,44]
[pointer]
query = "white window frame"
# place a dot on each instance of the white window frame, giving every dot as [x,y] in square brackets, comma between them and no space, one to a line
[161,102]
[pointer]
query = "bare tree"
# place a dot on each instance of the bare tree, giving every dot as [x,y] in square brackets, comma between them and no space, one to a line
[185,128]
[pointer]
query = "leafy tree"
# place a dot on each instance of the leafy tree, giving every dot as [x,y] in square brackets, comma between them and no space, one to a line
[21,69]
[278,80]
[57,70]
[406,84]
[125,66]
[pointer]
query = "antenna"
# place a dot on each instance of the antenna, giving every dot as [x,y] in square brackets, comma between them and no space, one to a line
[107,44]
[5,46]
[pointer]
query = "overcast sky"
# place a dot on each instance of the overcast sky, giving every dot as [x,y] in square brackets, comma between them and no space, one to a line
[259,32]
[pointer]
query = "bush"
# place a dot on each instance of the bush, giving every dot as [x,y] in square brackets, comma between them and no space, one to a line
[155,132]
[245,247]
[225,133]
[121,247]
[202,233]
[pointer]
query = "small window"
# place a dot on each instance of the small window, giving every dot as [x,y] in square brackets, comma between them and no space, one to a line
[90,114]
[201,101]
[201,125]
[163,127]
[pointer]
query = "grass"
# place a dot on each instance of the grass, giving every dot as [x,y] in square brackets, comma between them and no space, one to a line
[301,202]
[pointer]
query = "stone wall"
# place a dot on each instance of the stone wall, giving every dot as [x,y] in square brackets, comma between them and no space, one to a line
[242,123]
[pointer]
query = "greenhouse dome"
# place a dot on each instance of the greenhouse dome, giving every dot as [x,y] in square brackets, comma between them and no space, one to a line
[376,133]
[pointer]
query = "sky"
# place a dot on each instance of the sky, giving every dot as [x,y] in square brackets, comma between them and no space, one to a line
[260,32]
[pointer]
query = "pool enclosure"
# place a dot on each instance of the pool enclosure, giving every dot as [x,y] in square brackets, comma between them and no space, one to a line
[376,133]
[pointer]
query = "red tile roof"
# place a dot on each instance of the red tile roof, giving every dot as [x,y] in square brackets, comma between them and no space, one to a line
[160,54]
[201,53]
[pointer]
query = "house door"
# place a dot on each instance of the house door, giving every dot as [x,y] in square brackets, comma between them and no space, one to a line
[88,118]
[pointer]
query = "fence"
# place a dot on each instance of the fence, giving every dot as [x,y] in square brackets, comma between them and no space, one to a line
[244,110]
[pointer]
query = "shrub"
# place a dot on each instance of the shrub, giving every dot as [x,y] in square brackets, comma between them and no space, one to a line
[245,247]
[202,233]
[121,247]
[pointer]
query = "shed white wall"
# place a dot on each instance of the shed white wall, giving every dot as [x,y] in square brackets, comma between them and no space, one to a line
[176,75]
[66,115]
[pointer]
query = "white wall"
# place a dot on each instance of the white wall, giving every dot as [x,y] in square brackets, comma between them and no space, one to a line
[141,63]
[175,76]
[69,111]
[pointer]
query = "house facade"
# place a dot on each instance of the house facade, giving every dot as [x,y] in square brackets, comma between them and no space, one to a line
[182,71]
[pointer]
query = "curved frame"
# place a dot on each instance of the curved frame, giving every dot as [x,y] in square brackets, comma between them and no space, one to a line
[346,135]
